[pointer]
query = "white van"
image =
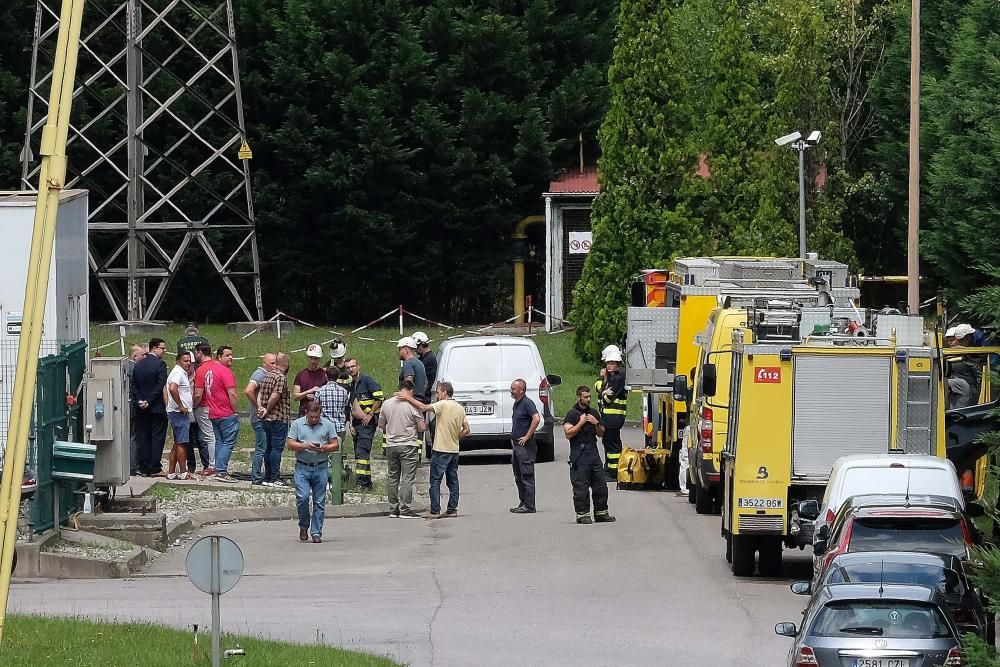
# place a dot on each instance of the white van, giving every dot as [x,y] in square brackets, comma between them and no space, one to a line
[481,368]
[864,474]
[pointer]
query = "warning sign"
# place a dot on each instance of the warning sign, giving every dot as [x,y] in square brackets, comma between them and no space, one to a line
[245,152]
[580,242]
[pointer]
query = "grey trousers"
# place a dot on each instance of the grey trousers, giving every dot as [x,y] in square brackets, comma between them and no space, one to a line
[402,461]
[523,462]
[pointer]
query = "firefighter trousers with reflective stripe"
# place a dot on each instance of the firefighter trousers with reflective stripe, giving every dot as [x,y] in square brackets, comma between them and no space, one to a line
[586,474]
[363,452]
[612,449]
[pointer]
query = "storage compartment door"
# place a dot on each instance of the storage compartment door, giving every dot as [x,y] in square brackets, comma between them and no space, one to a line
[840,407]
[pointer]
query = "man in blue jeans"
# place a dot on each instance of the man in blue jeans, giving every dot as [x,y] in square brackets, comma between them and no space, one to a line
[312,438]
[274,412]
[451,426]
[251,391]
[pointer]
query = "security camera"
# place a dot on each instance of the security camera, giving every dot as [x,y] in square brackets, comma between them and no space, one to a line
[788,138]
[814,137]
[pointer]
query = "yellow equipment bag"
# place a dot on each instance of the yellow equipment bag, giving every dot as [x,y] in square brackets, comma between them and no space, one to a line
[643,468]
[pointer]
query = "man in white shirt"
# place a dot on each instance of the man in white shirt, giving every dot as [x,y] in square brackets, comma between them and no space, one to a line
[179,410]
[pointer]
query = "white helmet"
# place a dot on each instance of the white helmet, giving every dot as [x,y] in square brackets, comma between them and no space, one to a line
[420,338]
[611,350]
[338,350]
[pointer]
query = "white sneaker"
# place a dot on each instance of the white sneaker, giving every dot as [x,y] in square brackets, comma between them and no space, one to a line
[171,476]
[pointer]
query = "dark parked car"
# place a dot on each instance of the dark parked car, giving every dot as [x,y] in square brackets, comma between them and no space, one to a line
[874,625]
[942,572]
[927,524]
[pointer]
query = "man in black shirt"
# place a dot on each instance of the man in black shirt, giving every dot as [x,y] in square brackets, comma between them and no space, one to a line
[524,450]
[427,358]
[582,426]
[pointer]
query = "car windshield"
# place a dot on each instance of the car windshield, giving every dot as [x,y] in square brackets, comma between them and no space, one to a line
[922,574]
[859,481]
[908,534]
[890,619]
[480,363]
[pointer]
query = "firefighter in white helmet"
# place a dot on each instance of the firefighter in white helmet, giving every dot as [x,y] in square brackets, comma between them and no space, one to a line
[612,400]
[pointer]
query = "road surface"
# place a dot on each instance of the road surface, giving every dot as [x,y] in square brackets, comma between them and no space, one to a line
[485,588]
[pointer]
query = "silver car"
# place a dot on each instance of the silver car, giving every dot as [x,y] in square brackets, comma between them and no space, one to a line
[874,625]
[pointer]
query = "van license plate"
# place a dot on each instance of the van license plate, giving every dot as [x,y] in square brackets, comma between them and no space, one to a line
[881,662]
[478,408]
[761,503]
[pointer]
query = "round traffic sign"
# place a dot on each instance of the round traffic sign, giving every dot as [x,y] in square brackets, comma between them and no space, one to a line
[214,564]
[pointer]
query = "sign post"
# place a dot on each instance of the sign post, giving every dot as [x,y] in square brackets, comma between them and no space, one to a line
[214,565]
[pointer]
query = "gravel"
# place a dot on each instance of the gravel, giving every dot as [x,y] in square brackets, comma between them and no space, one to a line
[116,552]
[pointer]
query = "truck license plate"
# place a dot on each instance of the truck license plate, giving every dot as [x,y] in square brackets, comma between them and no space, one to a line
[881,662]
[478,408]
[761,503]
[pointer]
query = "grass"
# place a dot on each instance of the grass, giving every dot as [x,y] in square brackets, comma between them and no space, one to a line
[33,640]
[374,348]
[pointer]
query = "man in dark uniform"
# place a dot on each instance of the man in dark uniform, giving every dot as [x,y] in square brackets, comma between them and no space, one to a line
[366,405]
[612,398]
[582,425]
[427,358]
[190,341]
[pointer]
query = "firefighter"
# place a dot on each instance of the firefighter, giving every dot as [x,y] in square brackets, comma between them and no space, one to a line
[582,427]
[612,398]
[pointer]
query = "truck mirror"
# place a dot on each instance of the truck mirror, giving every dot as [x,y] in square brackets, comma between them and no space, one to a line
[681,388]
[554,380]
[708,379]
[808,509]
[819,547]
[823,532]
[974,509]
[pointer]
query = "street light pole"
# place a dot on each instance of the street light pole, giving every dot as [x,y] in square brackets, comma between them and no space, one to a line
[913,213]
[800,146]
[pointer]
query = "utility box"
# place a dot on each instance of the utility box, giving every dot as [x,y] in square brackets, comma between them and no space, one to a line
[107,418]
[67,306]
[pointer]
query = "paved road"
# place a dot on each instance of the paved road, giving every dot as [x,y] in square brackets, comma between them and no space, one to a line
[486,588]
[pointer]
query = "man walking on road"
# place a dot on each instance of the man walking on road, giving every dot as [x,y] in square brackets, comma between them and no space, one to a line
[251,391]
[367,403]
[313,439]
[452,426]
[582,426]
[274,413]
[149,377]
[525,420]
[309,378]
[402,423]
[215,387]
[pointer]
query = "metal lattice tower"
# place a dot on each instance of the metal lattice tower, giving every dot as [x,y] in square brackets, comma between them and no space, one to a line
[159,139]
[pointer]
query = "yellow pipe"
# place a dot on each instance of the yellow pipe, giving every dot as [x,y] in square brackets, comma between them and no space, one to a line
[51,178]
[521,233]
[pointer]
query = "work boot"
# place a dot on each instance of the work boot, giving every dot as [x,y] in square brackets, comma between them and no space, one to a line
[603,517]
[584,518]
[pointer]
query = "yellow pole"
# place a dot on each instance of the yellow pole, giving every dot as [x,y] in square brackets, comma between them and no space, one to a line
[50,183]
[521,233]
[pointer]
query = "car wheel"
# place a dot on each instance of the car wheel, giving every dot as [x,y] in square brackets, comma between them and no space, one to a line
[717,500]
[770,557]
[742,553]
[702,499]
[729,547]
[546,451]
[691,486]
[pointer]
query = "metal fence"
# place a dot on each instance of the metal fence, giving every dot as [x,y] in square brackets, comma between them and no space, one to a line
[57,415]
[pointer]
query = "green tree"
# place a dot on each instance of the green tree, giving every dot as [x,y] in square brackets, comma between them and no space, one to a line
[646,163]
[962,233]
[15,64]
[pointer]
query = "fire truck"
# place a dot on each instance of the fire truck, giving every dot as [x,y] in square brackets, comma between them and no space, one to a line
[669,313]
[802,395]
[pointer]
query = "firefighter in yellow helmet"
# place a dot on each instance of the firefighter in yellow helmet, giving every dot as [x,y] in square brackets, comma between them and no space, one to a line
[612,396]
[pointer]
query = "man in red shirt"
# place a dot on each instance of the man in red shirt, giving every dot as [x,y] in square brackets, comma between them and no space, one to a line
[215,388]
[309,378]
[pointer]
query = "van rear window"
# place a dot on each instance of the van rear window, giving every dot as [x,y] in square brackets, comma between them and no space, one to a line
[859,481]
[518,362]
[473,364]
[940,536]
